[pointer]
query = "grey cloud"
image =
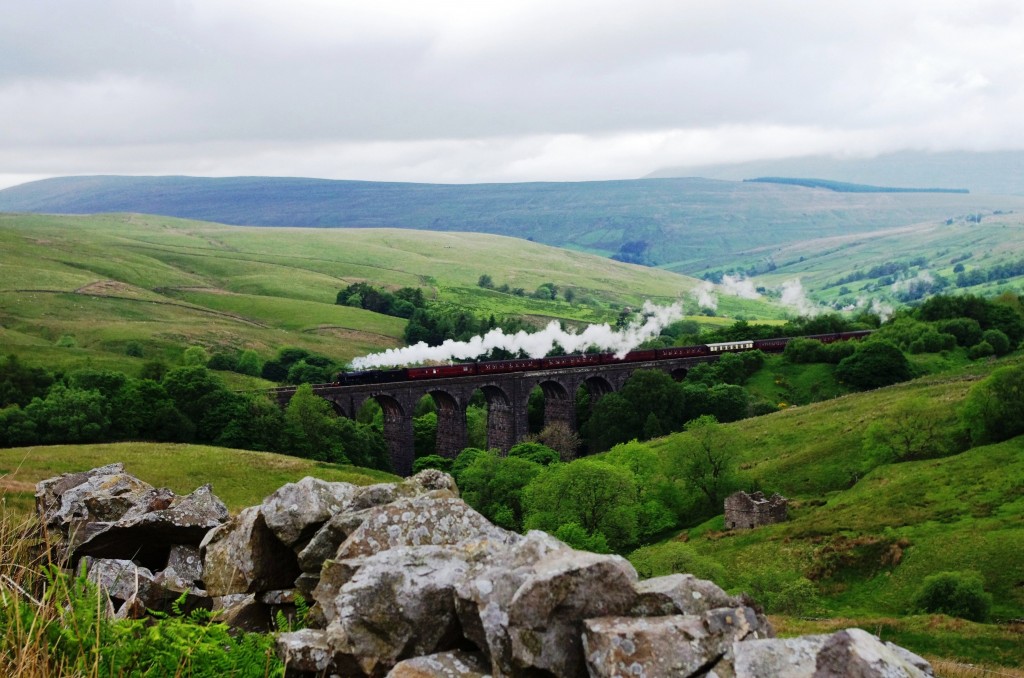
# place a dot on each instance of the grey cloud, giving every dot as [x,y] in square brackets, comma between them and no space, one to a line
[488,81]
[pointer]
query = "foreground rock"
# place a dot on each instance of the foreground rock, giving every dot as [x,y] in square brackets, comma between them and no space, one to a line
[408,581]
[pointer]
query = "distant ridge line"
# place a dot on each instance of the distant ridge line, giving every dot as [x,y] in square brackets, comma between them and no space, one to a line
[846,187]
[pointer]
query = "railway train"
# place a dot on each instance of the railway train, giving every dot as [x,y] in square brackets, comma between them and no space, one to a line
[486,367]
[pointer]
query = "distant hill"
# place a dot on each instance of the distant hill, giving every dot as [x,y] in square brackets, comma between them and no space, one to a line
[846,187]
[993,173]
[684,225]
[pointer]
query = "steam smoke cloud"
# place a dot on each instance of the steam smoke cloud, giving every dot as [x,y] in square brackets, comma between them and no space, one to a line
[705,295]
[793,296]
[535,345]
[740,287]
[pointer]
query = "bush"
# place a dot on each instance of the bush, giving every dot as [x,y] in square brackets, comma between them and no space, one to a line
[982,349]
[435,461]
[994,408]
[675,556]
[999,342]
[784,592]
[958,594]
[875,364]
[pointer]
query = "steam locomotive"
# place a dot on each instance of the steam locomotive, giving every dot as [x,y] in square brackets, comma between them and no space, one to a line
[486,367]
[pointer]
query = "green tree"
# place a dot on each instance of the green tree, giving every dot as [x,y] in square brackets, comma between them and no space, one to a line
[187,386]
[432,461]
[485,281]
[875,364]
[708,463]
[70,415]
[142,409]
[424,434]
[463,461]
[538,453]
[19,384]
[311,428]
[994,408]
[16,428]
[613,421]
[999,342]
[249,362]
[494,486]
[913,429]
[596,495]
[195,356]
[257,425]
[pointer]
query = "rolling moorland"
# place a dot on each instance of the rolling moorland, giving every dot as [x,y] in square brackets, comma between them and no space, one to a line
[102,282]
[688,226]
[865,529]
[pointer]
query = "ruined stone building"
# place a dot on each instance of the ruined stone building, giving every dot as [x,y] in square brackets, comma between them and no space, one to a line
[745,511]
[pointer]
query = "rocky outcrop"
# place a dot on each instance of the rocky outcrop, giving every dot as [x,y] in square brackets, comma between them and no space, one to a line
[408,581]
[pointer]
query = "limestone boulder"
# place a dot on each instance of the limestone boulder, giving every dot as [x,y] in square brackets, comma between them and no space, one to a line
[420,521]
[679,594]
[184,570]
[122,580]
[324,544]
[244,556]
[308,651]
[399,604]
[296,511]
[546,613]
[443,665]
[147,534]
[482,600]
[851,653]
[243,611]
[50,507]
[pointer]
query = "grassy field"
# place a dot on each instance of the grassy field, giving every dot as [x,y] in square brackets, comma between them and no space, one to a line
[76,291]
[239,477]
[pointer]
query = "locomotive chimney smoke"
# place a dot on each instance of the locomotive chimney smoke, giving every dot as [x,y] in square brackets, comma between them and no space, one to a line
[536,345]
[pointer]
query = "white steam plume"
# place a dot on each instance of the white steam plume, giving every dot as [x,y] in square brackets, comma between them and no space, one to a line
[793,296]
[535,345]
[740,287]
[905,285]
[883,310]
[705,294]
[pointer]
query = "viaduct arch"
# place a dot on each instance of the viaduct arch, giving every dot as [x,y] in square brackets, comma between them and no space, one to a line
[506,396]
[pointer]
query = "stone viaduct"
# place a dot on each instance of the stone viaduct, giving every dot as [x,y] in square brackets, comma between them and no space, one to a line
[506,396]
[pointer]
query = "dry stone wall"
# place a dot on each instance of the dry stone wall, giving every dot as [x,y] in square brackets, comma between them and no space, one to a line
[408,581]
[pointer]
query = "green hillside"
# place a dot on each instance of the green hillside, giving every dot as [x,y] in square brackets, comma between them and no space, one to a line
[685,225]
[866,531]
[980,253]
[80,289]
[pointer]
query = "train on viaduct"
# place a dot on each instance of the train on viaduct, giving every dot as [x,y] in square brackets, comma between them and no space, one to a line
[506,386]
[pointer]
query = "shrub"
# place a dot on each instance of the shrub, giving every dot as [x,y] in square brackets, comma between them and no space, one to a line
[675,556]
[875,364]
[432,461]
[223,361]
[999,342]
[195,356]
[133,349]
[958,594]
[982,349]
[783,591]
[994,408]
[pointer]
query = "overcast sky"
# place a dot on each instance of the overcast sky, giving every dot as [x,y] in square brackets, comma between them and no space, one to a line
[489,90]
